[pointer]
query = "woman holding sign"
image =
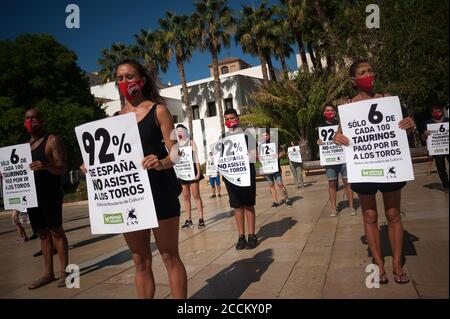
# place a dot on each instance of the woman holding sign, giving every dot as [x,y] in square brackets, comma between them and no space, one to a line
[191,185]
[333,171]
[155,127]
[363,77]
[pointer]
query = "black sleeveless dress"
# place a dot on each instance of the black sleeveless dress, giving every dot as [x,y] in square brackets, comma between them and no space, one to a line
[164,184]
[48,214]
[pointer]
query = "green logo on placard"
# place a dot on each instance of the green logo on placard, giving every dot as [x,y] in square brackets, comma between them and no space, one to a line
[372,172]
[330,160]
[14,201]
[113,218]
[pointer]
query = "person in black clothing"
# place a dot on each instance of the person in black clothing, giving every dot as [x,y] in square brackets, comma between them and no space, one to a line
[49,163]
[437,116]
[242,199]
[155,126]
[333,171]
[192,186]
[363,76]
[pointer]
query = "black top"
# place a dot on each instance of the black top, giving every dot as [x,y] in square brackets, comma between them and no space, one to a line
[164,182]
[47,184]
[326,123]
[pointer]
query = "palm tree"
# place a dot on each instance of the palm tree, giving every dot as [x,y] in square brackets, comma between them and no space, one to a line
[282,43]
[295,15]
[110,59]
[215,26]
[177,33]
[256,33]
[153,50]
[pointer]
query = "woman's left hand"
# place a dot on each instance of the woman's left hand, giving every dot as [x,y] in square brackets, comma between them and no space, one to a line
[407,124]
[151,162]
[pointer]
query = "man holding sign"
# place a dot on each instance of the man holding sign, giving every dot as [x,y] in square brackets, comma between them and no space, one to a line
[235,155]
[49,164]
[295,163]
[333,158]
[214,177]
[436,135]
[363,78]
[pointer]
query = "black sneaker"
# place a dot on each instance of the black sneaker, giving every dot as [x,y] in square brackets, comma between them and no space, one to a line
[274,205]
[288,203]
[241,243]
[252,241]
[212,196]
[201,223]
[220,196]
[188,223]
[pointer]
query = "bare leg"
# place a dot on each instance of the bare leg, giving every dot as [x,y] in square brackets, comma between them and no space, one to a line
[250,216]
[60,241]
[198,200]
[391,202]
[218,189]
[283,190]
[332,191]
[273,192]
[187,200]
[239,217]
[370,217]
[139,244]
[47,252]
[166,236]
[349,192]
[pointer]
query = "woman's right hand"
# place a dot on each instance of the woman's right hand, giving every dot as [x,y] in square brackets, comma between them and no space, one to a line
[83,169]
[341,139]
[320,142]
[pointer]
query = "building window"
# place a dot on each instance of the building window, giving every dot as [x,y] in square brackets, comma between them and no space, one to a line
[228,103]
[195,112]
[175,118]
[212,111]
[224,70]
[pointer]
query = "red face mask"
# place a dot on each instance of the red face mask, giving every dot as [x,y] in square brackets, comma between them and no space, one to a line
[29,127]
[365,83]
[329,115]
[232,124]
[437,115]
[130,90]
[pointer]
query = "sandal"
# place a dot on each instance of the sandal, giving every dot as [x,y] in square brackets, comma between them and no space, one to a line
[41,282]
[62,280]
[383,279]
[401,278]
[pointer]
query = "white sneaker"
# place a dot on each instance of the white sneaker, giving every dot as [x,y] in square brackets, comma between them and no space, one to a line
[352,212]
[333,213]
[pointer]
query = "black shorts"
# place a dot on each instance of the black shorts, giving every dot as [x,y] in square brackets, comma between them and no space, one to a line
[242,196]
[373,188]
[165,190]
[48,214]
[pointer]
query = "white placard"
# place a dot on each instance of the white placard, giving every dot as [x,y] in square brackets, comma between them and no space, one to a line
[232,161]
[379,150]
[19,188]
[185,168]
[437,142]
[294,154]
[268,157]
[330,153]
[120,198]
[211,169]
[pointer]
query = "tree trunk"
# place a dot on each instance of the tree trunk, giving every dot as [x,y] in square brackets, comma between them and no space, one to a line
[262,58]
[318,59]
[284,66]
[313,57]
[301,48]
[304,149]
[217,89]
[326,27]
[185,96]
[273,76]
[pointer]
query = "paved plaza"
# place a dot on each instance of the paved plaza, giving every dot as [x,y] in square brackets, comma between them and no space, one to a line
[303,252]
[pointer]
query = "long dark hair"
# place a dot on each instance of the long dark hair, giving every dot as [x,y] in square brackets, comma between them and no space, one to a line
[150,90]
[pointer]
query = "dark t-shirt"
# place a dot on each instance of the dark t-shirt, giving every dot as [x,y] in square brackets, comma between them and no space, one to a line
[433,121]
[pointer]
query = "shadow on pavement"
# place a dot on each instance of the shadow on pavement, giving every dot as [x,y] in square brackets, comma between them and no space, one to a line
[91,241]
[344,204]
[232,281]
[220,216]
[408,243]
[275,229]
[436,186]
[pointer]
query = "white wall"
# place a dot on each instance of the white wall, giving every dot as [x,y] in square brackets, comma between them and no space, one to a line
[310,64]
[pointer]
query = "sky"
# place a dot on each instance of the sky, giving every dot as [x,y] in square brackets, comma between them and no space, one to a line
[104,22]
